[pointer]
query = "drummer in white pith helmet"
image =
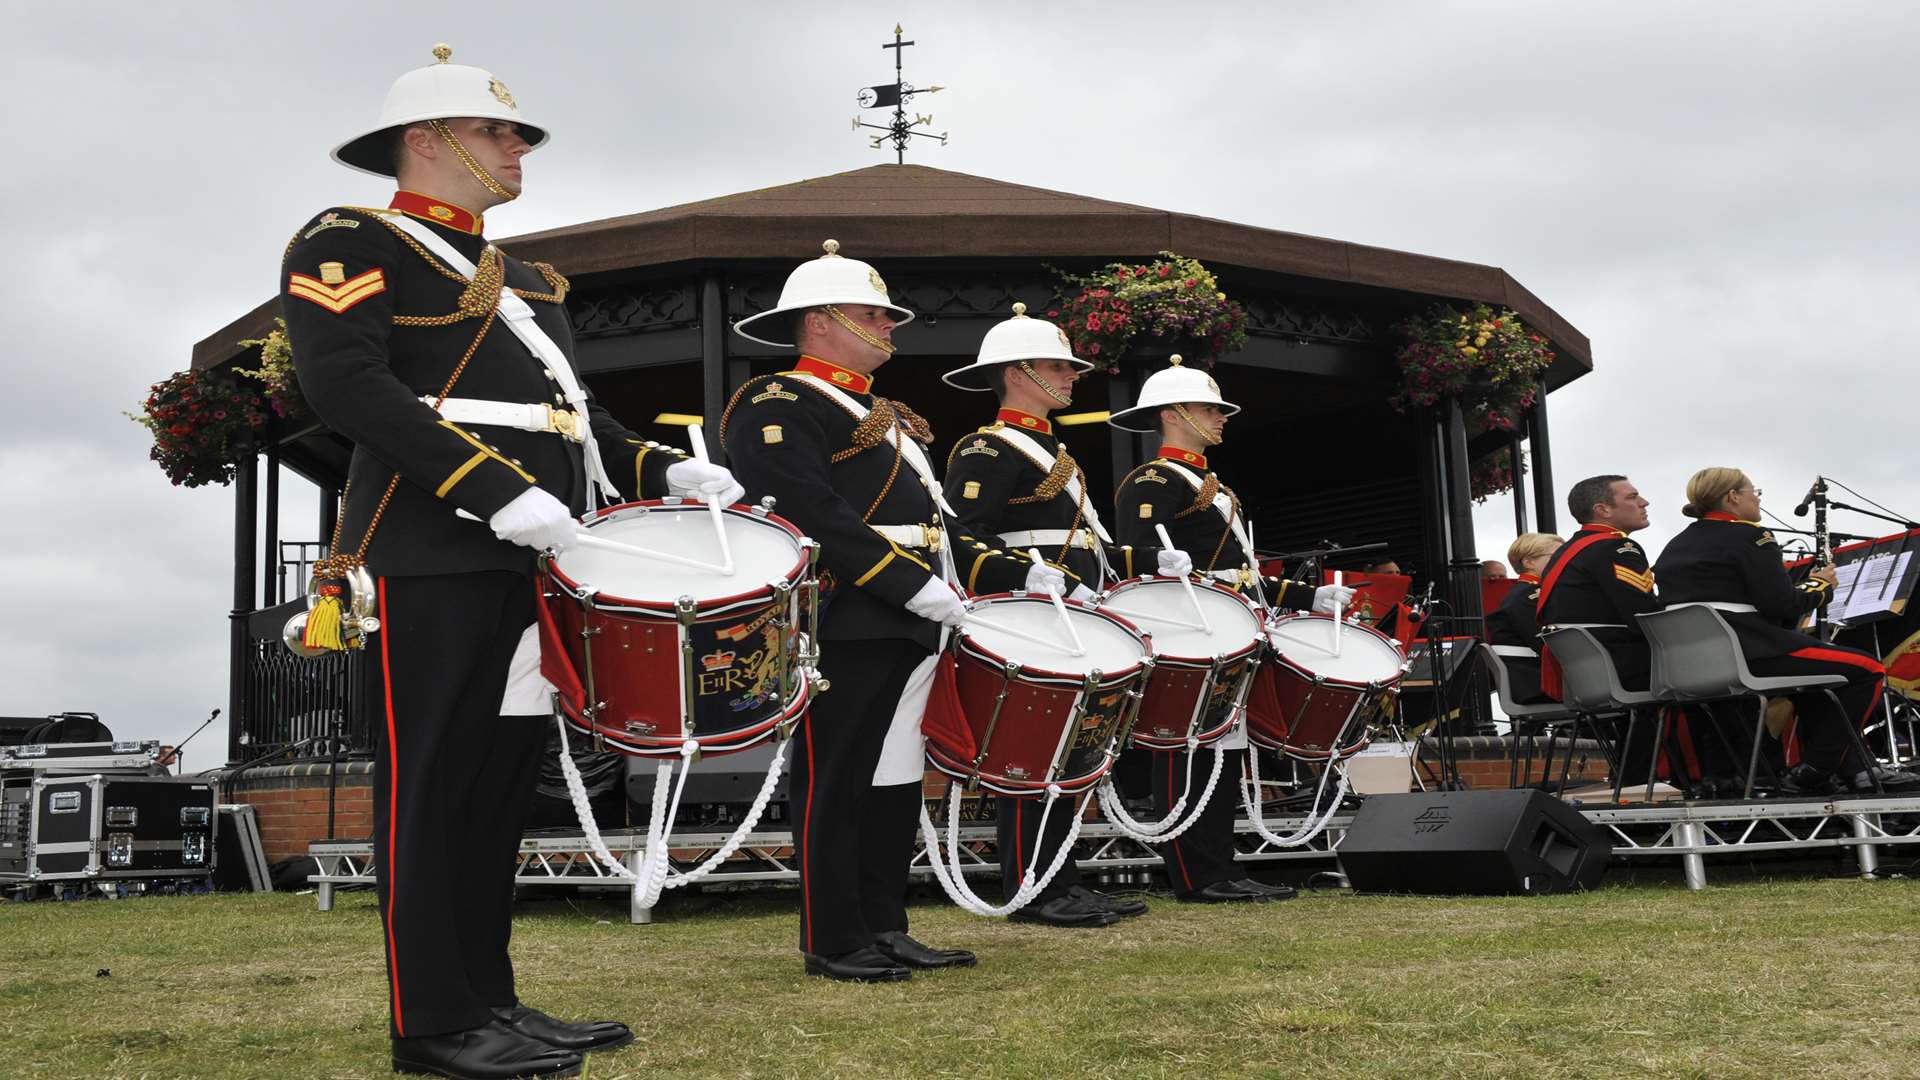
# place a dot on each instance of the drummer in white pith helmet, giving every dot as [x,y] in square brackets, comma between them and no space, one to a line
[1015,480]
[1179,490]
[849,468]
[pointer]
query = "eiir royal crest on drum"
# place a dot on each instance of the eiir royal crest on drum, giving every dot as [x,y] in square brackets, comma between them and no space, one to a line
[648,653]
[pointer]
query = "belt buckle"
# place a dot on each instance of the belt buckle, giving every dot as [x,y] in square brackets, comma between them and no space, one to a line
[564,422]
[931,535]
[1245,577]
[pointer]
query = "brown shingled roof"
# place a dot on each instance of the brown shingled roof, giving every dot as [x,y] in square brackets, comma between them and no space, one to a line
[956,215]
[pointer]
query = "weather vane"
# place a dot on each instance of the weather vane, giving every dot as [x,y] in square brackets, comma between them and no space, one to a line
[895,95]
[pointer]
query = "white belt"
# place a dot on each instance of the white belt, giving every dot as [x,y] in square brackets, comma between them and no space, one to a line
[1724,605]
[1516,652]
[1027,538]
[914,536]
[526,417]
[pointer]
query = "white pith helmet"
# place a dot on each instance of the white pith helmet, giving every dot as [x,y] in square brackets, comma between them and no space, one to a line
[439,91]
[1172,385]
[1018,338]
[829,279]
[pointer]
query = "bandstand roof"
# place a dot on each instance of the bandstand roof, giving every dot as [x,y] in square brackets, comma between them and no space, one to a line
[915,211]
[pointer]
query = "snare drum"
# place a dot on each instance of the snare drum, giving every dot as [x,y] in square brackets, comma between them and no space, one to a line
[648,654]
[1035,714]
[1198,677]
[1307,702]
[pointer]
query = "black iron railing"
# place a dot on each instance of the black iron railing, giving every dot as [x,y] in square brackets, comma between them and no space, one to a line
[286,700]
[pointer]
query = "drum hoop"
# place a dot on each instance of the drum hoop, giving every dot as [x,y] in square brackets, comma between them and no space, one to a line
[648,746]
[1294,666]
[1022,672]
[794,574]
[1205,662]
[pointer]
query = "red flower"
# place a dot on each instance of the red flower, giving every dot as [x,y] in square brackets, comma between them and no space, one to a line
[1165,270]
[1094,349]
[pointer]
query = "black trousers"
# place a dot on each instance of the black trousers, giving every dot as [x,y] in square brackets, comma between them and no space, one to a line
[452,784]
[1817,736]
[1203,855]
[853,841]
[1017,829]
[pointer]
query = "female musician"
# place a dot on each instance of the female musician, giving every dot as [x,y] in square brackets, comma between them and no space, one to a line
[1514,625]
[1727,558]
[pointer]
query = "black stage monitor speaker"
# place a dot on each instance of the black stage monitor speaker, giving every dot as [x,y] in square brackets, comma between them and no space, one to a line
[1453,843]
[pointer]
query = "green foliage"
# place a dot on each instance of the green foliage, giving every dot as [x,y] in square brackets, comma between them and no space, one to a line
[1489,359]
[1173,300]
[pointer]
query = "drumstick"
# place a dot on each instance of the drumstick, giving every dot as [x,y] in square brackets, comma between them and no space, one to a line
[1060,607]
[1339,578]
[1148,616]
[1003,628]
[1166,543]
[713,502]
[587,539]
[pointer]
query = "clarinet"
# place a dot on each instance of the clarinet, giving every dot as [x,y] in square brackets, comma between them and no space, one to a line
[1823,550]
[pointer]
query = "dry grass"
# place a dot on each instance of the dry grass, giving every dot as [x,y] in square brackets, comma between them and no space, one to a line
[1792,978]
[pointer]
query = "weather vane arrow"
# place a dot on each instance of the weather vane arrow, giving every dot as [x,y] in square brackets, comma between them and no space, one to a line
[895,95]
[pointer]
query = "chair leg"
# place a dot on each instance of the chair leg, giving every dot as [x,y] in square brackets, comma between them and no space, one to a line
[1759,732]
[1546,763]
[1859,744]
[1620,774]
[1659,741]
[1566,766]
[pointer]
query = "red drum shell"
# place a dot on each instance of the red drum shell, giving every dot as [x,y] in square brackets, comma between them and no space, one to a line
[1303,714]
[1018,739]
[1171,706]
[624,654]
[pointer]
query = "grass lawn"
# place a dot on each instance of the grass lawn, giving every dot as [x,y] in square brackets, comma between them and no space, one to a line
[1794,977]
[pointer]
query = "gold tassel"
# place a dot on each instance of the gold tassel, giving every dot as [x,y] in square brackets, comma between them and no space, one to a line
[323,621]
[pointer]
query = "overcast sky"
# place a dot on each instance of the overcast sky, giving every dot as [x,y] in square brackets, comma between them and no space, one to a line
[1719,195]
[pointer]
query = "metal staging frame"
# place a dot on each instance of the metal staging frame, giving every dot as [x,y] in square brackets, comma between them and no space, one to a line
[1690,832]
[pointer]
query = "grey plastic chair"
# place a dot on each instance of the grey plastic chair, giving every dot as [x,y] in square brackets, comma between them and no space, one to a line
[1548,715]
[1590,684]
[1697,659]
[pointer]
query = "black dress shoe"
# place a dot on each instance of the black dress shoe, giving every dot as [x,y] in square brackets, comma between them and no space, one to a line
[860,965]
[897,946]
[1225,892]
[1126,909]
[1805,779]
[493,1051]
[1894,781]
[580,1038]
[1270,892]
[1065,910]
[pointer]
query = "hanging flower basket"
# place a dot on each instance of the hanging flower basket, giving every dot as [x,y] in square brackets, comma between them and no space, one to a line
[1494,474]
[204,424]
[276,371]
[1487,358]
[1146,311]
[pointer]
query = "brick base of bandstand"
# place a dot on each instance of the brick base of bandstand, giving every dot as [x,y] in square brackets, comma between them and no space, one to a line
[290,801]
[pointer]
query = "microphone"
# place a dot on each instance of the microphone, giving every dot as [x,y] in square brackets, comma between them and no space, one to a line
[1801,510]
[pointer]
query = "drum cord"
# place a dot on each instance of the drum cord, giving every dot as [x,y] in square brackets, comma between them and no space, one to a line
[1163,831]
[654,876]
[954,880]
[1250,793]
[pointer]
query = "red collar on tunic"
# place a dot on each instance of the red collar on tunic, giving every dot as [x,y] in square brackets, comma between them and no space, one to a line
[1025,421]
[1188,457]
[1530,579]
[1722,515]
[835,374]
[438,211]
[1597,527]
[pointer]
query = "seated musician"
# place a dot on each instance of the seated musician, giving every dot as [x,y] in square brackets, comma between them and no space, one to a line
[1728,559]
[1512,626]
[1601,576]
[1493,570]
[1178,490]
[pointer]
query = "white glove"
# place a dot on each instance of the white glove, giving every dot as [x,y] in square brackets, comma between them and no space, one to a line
[1326,596]
[537,520]
[1042,578]
[937,601]
[692,479]
[1082,594]
[1175,563]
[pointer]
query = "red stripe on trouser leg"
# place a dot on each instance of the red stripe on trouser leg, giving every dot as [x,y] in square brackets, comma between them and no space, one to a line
[1790,740]
[1020,835]
[1684,731]
[393,807]
[1178,859]
[1864,663]
[806,845]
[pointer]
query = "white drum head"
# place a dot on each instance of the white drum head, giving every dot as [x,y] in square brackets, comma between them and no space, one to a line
[762,552]
[1110,648]
[1161,608]
[1307,642]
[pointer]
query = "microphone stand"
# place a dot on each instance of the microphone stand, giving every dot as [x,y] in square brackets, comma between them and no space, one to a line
[179,757]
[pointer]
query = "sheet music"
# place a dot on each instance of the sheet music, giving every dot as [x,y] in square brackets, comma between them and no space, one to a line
[1867,587]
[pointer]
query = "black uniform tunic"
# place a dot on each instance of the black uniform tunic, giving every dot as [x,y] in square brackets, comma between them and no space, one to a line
[1158,494]
[1514,623]
[1599,576]
[376,323]
[833,475]
[1722,559]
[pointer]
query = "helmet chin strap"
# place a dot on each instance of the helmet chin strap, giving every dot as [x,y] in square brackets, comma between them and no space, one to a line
[1205,436]
[1026,368]
[472,163]
[856,329]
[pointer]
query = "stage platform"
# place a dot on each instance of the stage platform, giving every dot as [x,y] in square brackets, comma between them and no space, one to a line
[1688,833]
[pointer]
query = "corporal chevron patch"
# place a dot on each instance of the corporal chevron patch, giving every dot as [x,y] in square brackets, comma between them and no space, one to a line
[1639,580]
[337,297]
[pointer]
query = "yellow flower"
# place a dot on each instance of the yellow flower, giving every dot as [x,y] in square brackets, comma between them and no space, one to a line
[1470,351]
[1219,296]
[1481,340]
